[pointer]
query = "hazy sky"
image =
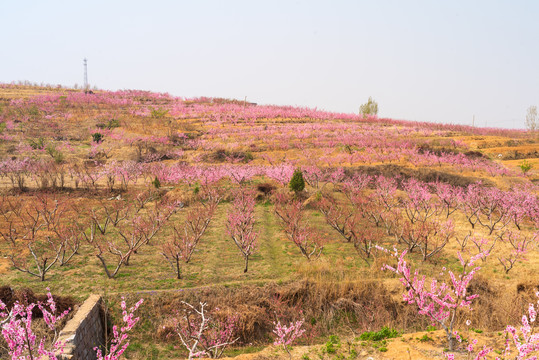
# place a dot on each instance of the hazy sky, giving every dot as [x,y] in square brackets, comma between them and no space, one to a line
[437,60]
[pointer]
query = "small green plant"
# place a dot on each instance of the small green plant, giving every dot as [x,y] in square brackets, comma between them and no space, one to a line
[425,338]
[383,349]
[55,154]
[156,183]
[2,127]
[196,189]
[525,166]
[37,144]
[97,137]
[158,113]
[305,357]
[431,328]
[478,331]
[332,344]
[384,333]
[248,157]
[297,184]
[111,124]
[330,349]
[33,111]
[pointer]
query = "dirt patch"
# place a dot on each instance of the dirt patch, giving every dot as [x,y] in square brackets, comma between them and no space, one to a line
[4,265]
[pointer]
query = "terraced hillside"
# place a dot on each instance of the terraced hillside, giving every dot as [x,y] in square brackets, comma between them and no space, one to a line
[170,199]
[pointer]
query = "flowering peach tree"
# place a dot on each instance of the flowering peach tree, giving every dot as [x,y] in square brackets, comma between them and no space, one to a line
[286,335]
[441,301]
[22,342]
[120,341]
[241,222]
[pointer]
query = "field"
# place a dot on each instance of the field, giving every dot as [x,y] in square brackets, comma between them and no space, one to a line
[141,194]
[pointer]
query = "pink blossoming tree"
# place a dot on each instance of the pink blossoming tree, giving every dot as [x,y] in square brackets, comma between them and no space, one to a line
[241,222]
[442,301]
[120,341]
[22,342]
[286,335]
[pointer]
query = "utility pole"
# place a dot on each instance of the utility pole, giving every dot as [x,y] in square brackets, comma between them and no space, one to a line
[473,121]
[85,74]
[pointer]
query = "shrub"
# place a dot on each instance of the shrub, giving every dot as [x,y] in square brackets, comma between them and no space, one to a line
[525,166]
[55,154]
[385,333]
[33,111]
[158,113]
[37,144]
[97,137]
[111,124]
[156,183]
[297,184]
[332,344]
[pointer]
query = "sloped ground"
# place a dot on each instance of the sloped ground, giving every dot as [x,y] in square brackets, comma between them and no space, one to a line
[154,130]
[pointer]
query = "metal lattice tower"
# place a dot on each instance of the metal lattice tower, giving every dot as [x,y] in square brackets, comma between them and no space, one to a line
[85,74]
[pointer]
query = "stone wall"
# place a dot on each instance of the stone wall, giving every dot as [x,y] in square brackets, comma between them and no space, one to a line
[84,331]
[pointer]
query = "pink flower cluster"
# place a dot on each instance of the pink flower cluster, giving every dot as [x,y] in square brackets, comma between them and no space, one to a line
[22,342]
[120,341]
[442,300]
[286,335]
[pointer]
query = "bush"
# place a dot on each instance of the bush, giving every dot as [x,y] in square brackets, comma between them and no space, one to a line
[297,184]
[55,154]
[111,124]
[97,137]
[385,333]
[525,166]
[37,144]
[156,183]
[158,113]
[332,344]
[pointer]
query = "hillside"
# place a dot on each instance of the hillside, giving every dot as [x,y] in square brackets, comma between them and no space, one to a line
[140,194]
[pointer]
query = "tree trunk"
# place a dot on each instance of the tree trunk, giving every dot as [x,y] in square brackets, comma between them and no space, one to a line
[178,268]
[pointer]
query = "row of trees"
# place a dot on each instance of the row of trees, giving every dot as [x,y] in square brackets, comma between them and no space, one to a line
[50,230]
[373,208]
[421,220]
